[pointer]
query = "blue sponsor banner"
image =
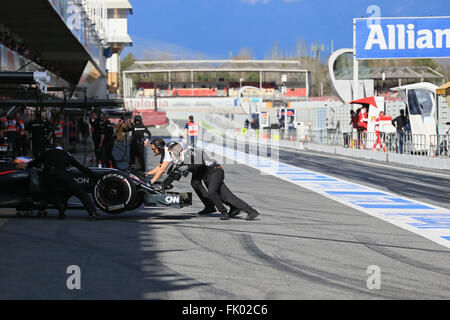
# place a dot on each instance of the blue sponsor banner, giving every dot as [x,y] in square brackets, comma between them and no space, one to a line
[388,38]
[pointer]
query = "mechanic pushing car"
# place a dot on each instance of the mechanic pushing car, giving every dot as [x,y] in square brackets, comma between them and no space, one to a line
[159,149]
[58,181]
[138,142]
[204,170]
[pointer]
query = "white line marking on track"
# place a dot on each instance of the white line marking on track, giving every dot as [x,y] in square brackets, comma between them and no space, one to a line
[429,221]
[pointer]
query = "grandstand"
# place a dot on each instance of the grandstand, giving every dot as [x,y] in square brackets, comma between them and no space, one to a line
[216,78]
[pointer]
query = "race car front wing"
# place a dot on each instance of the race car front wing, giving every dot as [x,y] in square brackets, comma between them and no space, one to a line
[170,199]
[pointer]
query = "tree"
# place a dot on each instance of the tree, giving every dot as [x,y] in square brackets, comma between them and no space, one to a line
[127,62]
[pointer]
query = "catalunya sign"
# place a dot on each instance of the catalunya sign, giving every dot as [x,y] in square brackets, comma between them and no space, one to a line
[394,38]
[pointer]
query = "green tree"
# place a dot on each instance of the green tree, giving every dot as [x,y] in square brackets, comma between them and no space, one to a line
[127,62]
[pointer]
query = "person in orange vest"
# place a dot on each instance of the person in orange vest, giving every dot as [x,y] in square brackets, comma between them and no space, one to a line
[3,121]
[58,134]
[191,131]
[21,135]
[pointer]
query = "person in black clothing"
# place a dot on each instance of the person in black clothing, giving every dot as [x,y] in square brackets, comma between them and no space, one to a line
[400,123]
[97,131]
[5,145]
[39,130]
[107,143]
[138,142]
[59,182]
[216,193]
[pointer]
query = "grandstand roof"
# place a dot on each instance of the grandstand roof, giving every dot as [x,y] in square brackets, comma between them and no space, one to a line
[413,72]
[216,65]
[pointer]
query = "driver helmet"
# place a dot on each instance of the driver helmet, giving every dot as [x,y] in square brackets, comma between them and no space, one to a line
[19,160]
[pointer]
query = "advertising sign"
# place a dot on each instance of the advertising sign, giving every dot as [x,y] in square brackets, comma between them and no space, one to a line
[394,38]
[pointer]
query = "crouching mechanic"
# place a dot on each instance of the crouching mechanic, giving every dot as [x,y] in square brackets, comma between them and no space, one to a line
[159,149]
[216,193]
[58,181]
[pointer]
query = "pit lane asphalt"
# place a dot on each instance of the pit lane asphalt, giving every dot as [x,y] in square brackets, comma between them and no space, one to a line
[303,246]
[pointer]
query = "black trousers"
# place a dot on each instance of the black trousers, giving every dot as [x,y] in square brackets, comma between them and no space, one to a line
[60,186]
[12,137]
[21,145]
[98,152]
[107,155]
[137,152]
[37,147]
[216,193]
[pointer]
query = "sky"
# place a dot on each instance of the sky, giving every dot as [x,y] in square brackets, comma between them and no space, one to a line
[216,29]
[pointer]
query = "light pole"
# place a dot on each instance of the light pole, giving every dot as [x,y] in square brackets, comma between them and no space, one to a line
[284,80]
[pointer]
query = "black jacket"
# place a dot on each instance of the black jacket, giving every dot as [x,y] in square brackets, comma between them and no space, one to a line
[198,162]
[97,130]
[108,131]
[138,131]
[57,161]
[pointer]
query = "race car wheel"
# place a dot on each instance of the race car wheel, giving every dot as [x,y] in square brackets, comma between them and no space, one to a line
[114,192]
[139,201]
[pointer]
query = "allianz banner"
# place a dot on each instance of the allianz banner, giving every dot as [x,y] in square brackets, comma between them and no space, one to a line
[393,38]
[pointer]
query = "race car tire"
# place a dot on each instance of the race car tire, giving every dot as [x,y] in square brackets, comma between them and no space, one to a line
[114,193]
[138,202]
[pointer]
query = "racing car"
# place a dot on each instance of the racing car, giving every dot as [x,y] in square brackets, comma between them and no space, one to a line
[114,192]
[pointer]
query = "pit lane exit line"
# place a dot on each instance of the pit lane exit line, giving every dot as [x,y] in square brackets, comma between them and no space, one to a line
[423,219]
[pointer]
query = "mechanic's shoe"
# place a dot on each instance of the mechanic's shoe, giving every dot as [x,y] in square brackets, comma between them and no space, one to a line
[62,213]
[94,217]
[233,213]
[251,215]
[206,211]
[224,216]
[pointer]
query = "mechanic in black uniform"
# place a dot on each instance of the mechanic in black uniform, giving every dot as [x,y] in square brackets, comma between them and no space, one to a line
[97,131]
[5,147]
[107,143]
[216,193]
[57,180]
[39,130]
[138,142]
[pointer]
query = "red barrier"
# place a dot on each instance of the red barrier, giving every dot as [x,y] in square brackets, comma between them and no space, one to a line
[296,92]
[152,118]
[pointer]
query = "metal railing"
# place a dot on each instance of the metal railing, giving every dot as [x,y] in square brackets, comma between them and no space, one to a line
[400,143]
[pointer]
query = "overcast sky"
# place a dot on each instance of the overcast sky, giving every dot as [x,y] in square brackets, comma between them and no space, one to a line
[215,28]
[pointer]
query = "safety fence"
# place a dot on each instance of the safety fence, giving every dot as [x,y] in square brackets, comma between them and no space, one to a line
[398,142]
